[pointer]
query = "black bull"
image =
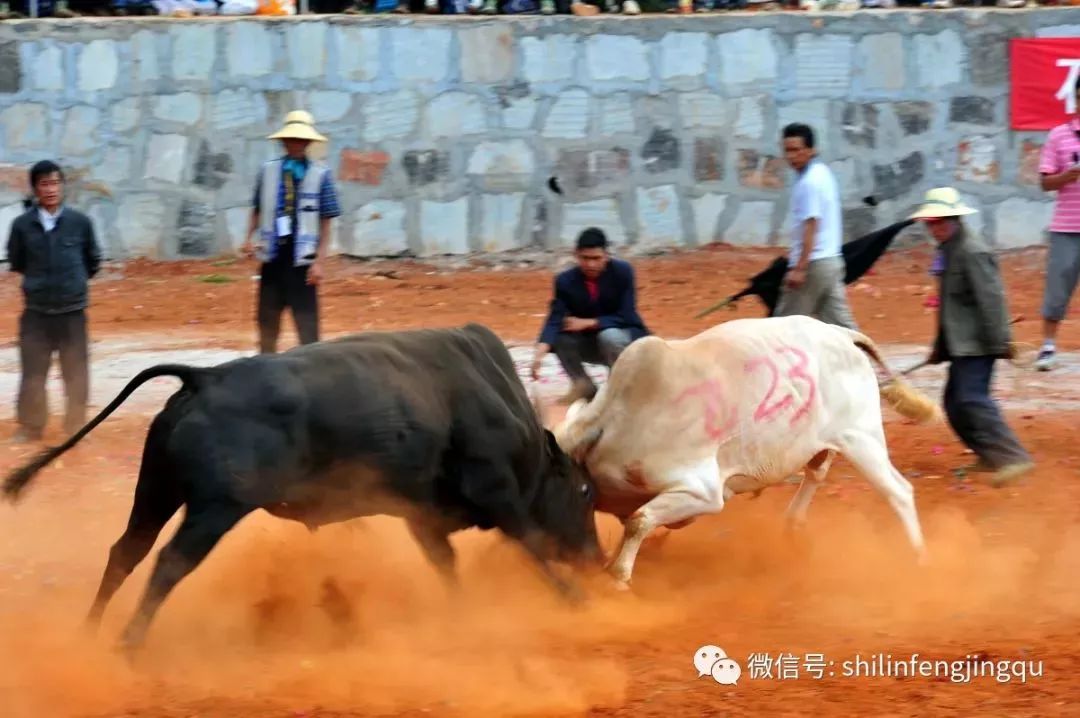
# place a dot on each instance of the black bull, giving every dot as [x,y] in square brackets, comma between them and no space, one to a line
[433,426]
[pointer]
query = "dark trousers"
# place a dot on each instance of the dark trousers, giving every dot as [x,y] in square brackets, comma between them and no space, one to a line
[39,336]
[975,417]
[282,286]
[574,349]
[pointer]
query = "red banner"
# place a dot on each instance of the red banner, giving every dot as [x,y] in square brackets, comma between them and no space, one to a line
[1043,82]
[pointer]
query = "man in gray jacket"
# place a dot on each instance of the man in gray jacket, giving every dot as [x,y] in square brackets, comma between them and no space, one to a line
[54,248]
[973,332]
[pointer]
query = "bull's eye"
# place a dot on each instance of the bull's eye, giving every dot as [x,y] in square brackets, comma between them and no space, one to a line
[584,489]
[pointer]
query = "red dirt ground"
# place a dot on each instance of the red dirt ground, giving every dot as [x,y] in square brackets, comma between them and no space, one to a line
[242,637]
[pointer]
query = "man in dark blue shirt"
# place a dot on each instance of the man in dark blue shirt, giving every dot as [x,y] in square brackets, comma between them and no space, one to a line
[593,315]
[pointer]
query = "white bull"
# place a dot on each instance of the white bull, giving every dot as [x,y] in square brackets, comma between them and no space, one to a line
[682,426]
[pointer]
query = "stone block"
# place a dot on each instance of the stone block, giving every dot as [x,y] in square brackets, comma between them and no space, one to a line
[487,54]
[98,66]
[846,173]
[305,43]
[456,114]
[420,54]
[616,115]
[166,157]
[752,225]
[701,109]
[14,179]
[684,57]
[659,220]
[569,116]
[212,169]
[391,115]
[329,105]
[760,171]
[591,170]
[603,213]
[660,152]
[233,109]
[195,230]
[709,159]
[657,111]
[1070,31]
[972,110]
[144,51]
[140,223]
[124,115]
[750,116]
[976,160]
[236,223]
[364,167]
[48,69]
[823,64]
[80,135]
[881,61]
[518,106]
[914,117]
[10,68]
[115,167]
[941,59]
[897,179]
[424,167]
[379,229]
[358,52]
[249,49]
[444,227]
[617,57]
[507,164]
[989,57]
[1021,222]
[707,212]
[857,222]
[25,126]
[501,221]
[1030,154]
[184,108]
[748,57]
[194,49]
[549,59]
[860,125]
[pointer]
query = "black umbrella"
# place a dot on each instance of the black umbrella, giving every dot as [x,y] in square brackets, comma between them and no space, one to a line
[859,255]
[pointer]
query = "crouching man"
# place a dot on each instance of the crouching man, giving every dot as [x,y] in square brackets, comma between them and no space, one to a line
[593,315]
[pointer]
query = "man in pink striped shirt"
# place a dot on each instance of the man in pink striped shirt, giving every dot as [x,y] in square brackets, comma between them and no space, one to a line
[1060,170]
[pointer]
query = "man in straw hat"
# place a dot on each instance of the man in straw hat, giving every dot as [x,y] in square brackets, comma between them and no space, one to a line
[294,201]
[973,332]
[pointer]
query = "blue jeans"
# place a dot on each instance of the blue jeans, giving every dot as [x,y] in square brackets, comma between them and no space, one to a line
[975,417]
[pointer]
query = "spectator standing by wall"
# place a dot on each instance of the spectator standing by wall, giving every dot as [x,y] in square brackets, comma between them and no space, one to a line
[814,284]
[295,199]
[54,248]
[1059,168]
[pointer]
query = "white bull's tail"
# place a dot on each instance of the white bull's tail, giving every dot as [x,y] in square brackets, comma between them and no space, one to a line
[908,401]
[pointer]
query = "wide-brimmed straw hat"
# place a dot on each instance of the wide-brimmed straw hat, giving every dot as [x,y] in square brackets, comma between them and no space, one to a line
[299,125]
[942,202]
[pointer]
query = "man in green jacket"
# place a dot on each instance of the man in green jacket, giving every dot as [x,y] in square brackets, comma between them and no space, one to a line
[973,332]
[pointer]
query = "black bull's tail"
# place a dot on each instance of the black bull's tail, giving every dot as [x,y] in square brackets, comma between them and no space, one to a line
[17,480]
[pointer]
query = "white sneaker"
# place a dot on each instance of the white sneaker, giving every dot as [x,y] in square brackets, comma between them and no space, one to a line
[1011,3]
[630,7]
[1046,360]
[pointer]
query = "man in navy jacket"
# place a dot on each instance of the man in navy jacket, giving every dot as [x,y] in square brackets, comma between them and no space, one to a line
[593,315]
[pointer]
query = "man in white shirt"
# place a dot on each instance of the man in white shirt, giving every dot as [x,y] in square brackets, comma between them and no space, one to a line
[814,284]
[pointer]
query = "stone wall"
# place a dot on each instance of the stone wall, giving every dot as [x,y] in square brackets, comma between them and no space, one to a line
[663,130]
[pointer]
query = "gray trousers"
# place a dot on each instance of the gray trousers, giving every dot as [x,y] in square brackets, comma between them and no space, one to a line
[1062,273]
[821,296]
[574,349]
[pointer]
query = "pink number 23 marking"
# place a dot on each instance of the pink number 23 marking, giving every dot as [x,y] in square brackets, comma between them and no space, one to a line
[769,407]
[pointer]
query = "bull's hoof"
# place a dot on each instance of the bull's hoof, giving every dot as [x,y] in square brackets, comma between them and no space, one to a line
[620,585]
